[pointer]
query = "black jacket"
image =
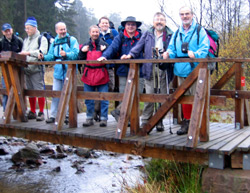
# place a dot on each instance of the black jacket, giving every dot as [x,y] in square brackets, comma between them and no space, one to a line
[14,45]
[98,43]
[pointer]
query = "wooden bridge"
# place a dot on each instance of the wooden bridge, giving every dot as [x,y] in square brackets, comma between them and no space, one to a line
[214,144]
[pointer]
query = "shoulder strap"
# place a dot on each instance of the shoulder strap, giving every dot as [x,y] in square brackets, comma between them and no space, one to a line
[198,33]
[68,40]
[175,37]
[39,40]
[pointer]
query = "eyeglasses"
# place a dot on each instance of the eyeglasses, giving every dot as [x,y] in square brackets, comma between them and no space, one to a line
[183,14]
[27,29]
[159,19]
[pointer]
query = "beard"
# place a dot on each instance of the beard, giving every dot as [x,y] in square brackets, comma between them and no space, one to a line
[159,27]
[187,21]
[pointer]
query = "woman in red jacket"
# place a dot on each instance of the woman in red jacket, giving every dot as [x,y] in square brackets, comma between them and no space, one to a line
[95,76]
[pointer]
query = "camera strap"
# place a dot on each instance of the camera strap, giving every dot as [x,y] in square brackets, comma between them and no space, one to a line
[191,35]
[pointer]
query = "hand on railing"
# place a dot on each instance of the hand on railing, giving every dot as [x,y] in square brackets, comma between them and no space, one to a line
[165,55]
[126,57]
[101,58]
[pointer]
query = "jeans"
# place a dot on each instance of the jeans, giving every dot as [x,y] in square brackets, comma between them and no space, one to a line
[91,104]
[5,97]
[57,85]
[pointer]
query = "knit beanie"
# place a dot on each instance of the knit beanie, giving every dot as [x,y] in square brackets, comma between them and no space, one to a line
[31,21]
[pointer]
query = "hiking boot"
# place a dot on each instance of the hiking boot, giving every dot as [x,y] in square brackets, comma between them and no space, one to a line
[116,114]
[184,127]
[50,120]
[103,123]
[66,121]
[31,115]
[40,116]
[160,126]
[88,123]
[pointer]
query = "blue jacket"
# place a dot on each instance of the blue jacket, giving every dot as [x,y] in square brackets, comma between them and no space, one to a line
[145,44]
[121,45]
[200,50]
[109,37]
[54,54]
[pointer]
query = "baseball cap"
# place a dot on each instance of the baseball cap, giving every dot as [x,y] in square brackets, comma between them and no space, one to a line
[6,26]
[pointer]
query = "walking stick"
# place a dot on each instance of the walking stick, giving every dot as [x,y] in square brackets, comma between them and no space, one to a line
[158,89]
[46,102]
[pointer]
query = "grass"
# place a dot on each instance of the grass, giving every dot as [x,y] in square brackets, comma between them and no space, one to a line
[170,177]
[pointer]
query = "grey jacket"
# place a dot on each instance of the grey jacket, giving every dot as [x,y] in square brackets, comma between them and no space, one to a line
[145,44]
[30,44]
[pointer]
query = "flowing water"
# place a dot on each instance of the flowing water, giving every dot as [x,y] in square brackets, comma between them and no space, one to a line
[103,172]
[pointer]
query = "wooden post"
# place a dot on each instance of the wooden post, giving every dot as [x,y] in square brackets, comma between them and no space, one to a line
[64,101]
[73,97]
[135,112]
[197,110]
[239,103]
[127,102]
[204,130]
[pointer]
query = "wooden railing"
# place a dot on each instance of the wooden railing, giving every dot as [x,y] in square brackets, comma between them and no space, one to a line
[12,65]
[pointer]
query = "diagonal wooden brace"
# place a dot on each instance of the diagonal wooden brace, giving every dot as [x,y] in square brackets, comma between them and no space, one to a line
[171,100]
[64,101]
[128,99]
[18,91]
[197,110]
[9,106]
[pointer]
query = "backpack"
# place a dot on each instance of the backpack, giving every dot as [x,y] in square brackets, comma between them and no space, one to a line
[214,43]
[50,38]
[214,46]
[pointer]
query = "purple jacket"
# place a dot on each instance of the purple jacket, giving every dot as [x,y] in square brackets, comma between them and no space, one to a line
[145,44]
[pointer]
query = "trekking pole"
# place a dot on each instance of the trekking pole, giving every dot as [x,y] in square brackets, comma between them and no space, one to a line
[155,89]
[158,77]
[66,121]
[46,102]
[170,129]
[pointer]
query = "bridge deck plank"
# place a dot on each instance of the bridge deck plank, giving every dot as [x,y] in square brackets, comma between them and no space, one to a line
[224,138]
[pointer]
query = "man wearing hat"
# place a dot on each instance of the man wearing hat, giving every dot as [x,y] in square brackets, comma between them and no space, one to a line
[34,74]
[9,42]
[158,37]
[121,45]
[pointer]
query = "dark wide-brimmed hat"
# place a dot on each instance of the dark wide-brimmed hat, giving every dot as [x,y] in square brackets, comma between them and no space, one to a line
[131,19]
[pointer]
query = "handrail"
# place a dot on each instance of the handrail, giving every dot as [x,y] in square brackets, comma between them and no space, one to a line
[201,100]
[139,61]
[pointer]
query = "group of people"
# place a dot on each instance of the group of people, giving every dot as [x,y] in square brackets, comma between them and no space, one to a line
[105,44]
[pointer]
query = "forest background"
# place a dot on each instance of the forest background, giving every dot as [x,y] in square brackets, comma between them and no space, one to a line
[229,18]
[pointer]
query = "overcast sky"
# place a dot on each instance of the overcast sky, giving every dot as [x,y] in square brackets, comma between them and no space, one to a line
[143,10]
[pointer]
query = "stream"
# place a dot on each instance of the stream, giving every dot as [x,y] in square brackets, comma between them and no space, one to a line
[102,172]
